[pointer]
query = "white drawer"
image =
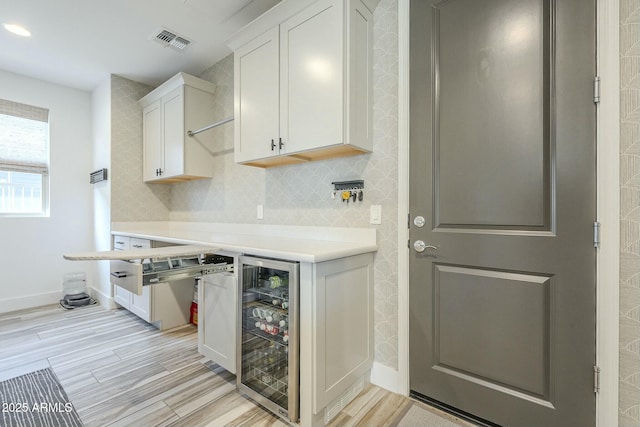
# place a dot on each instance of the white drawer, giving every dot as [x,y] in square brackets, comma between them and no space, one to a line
[140,243]
[121,243]
[127,275]
[132,276]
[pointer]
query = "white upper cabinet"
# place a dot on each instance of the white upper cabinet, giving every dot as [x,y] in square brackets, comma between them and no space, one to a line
[303,82]
[257,105]
[183,103]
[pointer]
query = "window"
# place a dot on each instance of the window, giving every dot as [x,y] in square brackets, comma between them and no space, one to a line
[24,159]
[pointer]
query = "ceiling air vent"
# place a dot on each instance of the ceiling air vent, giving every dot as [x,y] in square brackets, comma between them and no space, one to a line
[170,39]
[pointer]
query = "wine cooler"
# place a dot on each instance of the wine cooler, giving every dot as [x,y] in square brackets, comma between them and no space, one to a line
[268,345]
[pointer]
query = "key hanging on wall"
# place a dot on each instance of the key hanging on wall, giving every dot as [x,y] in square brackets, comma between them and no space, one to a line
[348,191]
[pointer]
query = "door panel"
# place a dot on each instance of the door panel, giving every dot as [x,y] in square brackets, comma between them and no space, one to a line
[472,337]
[502,159]
[493,113]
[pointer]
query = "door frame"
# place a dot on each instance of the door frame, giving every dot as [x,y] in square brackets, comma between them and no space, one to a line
[608,206]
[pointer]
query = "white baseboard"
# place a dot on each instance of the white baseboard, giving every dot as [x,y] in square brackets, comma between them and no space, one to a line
[104,300]
[29,301]
[385,377]
[37,300]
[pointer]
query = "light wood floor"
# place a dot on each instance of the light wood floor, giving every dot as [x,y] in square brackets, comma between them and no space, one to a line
[120,371]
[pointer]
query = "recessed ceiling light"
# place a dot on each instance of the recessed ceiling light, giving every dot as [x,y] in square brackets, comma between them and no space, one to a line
[17,29]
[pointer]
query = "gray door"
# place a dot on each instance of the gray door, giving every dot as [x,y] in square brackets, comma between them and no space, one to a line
[502,321]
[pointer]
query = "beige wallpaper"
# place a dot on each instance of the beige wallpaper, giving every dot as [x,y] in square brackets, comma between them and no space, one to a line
[629,415]
[131,198]
[235,191]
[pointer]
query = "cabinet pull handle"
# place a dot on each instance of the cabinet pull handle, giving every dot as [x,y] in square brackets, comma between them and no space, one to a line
[280,144]
[273,145]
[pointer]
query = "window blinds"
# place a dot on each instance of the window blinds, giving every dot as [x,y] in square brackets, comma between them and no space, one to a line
[24,138]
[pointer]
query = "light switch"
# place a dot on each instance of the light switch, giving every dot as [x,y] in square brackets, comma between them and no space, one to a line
[260,212]
[376,214]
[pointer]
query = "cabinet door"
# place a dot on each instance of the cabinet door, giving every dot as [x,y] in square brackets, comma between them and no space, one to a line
[122,297]
[312,77]
[140,305]
[217,319]
[173,132]
[257,98]
[152,141]
[342,326]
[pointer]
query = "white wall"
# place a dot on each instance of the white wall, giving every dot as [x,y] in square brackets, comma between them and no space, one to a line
[101,111]
[31,249]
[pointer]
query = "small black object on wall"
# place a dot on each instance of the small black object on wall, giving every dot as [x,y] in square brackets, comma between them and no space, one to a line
[97,176]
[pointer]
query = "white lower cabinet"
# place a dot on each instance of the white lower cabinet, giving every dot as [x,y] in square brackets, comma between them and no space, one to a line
[336,334]
[165,305]
[141,304]
[336,330]
[122,297]
[217,321]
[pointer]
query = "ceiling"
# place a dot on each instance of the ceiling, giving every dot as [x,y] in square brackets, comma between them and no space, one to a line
[79,43]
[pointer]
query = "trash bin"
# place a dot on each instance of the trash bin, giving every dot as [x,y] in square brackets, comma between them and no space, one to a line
[74,291]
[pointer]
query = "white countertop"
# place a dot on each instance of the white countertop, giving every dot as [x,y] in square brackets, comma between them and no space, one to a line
[294,243]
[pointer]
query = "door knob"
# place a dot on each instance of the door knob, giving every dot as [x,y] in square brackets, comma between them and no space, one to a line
[420,246]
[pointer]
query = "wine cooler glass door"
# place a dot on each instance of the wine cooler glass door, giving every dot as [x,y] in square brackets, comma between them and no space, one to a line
[268,353]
